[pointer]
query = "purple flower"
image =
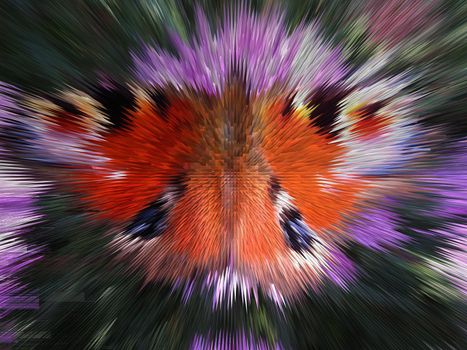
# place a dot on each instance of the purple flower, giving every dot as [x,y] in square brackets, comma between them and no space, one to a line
[455,264]
[227,341]
[16,214]
[260,47]
[340,269]
[376,228]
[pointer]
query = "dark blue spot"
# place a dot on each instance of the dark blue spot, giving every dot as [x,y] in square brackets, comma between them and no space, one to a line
[151,221]
[299,236]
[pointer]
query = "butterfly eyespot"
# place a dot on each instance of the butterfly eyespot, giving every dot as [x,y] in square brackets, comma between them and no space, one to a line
[367,122]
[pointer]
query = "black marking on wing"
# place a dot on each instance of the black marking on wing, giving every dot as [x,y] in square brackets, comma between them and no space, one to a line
[288,106]
[370,110]
[64,105]
[326,105]
[160,101]
[117,102]
[274,188]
